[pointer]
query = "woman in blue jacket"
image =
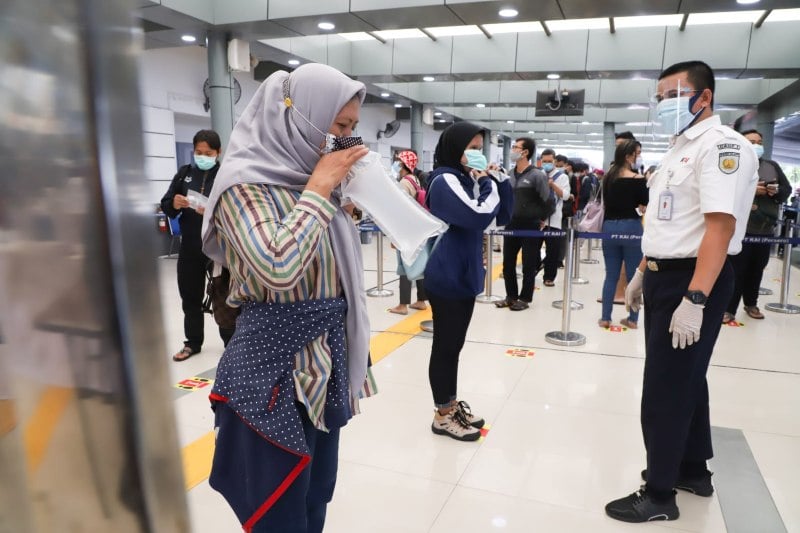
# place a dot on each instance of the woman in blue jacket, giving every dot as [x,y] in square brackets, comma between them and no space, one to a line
[462,194]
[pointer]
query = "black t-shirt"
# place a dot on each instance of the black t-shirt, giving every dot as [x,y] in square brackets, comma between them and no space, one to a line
[623,196]
[191,221]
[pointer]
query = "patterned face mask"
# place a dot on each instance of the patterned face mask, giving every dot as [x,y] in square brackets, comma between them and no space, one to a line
[332,142]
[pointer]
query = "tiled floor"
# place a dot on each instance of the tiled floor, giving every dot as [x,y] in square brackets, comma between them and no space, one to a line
[564,437]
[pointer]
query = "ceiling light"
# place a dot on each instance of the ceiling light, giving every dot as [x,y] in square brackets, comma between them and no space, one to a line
[385,95]
[449,31]
[577,24]
[398,105]
[428,78]
[441,120]
[648,21]
[326,25]
[357,36]
[784,15]
[508,13]
[513,27]
[400,34]
[553,76]
[509,121]
[747,1]
[437,114]
[726,17]
[294,62]
[188,38]
[531,132]
[480,105]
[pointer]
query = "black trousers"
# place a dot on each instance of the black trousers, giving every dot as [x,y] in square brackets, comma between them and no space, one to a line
[552,253]
[192,268]
[405,290]
[451,320]
[748,268]
[530,265]
[675,417]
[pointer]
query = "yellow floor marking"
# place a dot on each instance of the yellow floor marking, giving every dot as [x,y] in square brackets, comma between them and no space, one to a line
[197,456]
[39,430]
[197,460]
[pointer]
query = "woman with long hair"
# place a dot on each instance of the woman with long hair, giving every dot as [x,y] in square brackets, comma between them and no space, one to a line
[625,197]
[462,194]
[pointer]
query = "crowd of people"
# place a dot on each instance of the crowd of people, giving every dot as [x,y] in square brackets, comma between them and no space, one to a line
[297,365]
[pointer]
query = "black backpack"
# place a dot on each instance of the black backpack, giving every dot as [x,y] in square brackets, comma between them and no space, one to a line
[528,203]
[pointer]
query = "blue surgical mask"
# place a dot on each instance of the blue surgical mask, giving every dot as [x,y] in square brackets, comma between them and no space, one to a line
[204,162]
[674,115]
[396,168]
[759,150]
[476,159]
[548,167]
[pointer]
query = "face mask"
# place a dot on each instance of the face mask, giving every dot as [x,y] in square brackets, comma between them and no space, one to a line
[476,159]
[638,163]
[396,168]
[204,162]
[548,167]
[759,150]
[673,117]
[514,156]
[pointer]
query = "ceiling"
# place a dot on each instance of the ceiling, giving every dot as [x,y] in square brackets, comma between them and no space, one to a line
[501,66]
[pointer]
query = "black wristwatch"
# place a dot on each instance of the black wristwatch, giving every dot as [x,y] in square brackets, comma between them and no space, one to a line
[696,297]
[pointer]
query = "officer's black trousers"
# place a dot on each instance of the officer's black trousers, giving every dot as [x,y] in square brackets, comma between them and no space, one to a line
[451,320]
[192,267]
[674,416]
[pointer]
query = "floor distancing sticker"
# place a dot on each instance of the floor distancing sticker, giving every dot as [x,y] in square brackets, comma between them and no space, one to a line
[616,329]
[194,383]
[484,431]
[519,352]
[734,324]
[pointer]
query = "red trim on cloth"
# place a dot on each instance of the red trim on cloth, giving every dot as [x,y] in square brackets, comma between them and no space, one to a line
[214,396]
[283,487]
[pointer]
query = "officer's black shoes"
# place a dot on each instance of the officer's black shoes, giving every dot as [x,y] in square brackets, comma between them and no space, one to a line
[641,507]
[700,486]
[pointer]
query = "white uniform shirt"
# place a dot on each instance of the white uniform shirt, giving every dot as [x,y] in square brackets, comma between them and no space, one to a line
[709,169]
[561,181]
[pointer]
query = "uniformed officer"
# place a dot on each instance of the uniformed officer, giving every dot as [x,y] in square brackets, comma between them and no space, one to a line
[700,198]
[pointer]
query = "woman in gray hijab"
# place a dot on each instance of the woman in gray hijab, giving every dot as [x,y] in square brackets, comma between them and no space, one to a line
[297,365]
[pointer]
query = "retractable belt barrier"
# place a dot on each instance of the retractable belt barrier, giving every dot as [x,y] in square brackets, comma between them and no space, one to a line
[565,337]
[378,291]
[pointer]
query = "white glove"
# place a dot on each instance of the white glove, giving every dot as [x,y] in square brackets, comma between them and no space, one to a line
[633,293]
[685,324]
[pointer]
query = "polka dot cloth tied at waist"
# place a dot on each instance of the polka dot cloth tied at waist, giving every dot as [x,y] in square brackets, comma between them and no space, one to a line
[255,375]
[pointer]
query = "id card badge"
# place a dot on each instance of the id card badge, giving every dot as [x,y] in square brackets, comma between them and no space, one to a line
[665,205]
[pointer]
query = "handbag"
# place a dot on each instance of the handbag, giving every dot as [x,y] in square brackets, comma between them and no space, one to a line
[416,270]
[593,214]
[215,302]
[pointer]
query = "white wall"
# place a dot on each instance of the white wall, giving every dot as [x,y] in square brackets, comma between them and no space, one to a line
[171,89]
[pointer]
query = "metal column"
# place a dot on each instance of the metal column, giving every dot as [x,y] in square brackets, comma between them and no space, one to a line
[87,432]
[221,84]
[416,130]
[609,145]
[506,149]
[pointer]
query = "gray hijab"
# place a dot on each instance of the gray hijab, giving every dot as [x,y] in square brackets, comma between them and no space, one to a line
[272,144]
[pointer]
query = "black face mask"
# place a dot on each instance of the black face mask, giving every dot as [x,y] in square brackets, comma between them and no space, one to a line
[334,144]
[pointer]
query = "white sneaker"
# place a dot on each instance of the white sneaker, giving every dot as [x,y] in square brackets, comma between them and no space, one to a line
[474,421]
[454,424]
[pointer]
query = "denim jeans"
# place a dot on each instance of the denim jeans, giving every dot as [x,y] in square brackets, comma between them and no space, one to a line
[614,253]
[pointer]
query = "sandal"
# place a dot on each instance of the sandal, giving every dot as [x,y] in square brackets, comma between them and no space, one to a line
[549,283]
[727,318]
[630,324]
[518,305]
[502,304]
[183,355]
[753,312]
[398,310]
[604,323]
[419,306]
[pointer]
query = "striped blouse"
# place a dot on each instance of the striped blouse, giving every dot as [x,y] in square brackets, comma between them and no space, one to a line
[278,249]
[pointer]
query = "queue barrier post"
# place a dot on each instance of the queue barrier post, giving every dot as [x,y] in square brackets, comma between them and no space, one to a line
[569,265]
[784,306]
[379,291]
[576,268]
[487,297]
[565,337]
[589,260]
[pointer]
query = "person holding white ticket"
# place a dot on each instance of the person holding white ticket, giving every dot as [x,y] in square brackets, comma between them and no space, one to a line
[186,199]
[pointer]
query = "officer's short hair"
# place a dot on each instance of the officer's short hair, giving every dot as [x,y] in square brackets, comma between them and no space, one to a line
[561,158]
[700,75]
[529,145]
[624,135]
[548,151]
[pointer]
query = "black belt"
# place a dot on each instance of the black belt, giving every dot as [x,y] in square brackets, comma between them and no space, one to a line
[663,265]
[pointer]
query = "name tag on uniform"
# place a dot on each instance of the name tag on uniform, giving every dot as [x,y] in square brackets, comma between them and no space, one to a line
[665,206]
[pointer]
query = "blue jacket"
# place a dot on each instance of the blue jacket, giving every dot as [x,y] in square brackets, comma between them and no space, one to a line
[455,268]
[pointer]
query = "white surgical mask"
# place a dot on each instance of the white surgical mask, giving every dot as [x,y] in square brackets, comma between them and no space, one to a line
[674,115]
[638,163]
[514,156]
[396,168]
